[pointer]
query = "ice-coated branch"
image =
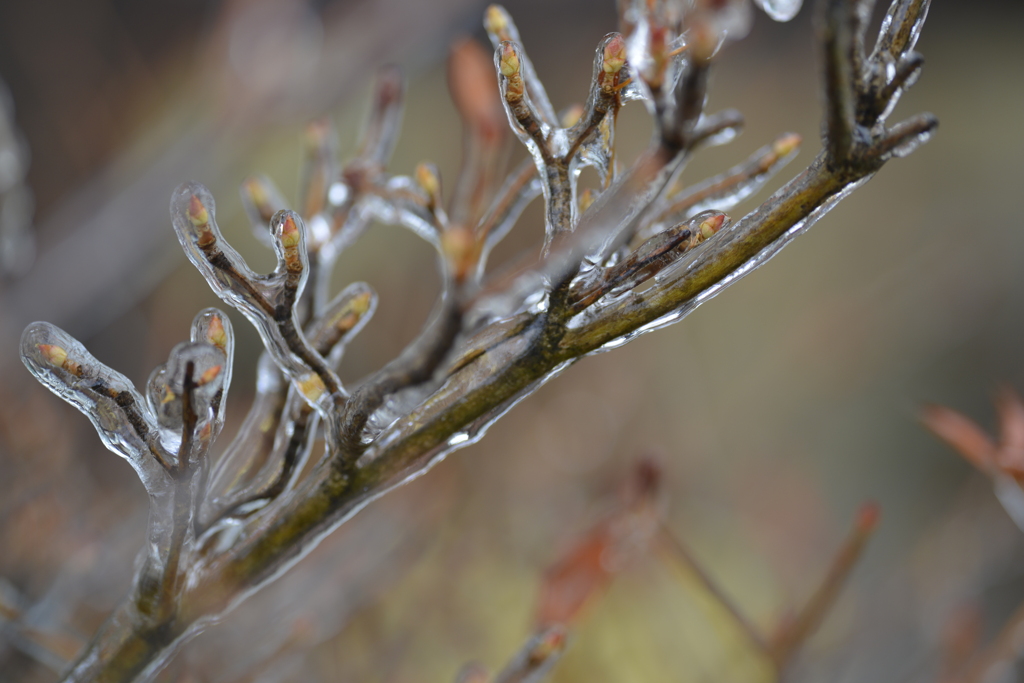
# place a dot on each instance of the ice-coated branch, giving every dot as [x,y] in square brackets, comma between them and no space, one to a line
[725,191]
[117,411]
[841,77]
[651,257]
[165,437]
[501,29]
[270,302]
[241,464]
[491,341]
[584,138]
[254,484]
[861,91]
[847,160]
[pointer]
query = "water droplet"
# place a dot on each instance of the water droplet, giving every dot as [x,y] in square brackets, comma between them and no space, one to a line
[457,439]
[780,10]
[337,194]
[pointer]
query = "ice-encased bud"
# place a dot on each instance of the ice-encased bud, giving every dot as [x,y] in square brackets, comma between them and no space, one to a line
[289,233]
[64,366]
[341,320]
[428,177]
[268,301]
[167,385]
[193,213]
[212,326]
[500,28]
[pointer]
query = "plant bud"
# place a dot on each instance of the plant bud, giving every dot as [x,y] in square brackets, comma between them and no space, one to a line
[786,144]
[208,376]
[215,333]
[496,22]
[54,355]
[428,178]
[614,55]
[289,233]
[312,387]
[709,226]
[509,61]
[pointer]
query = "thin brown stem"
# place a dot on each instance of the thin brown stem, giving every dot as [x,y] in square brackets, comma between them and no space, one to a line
[840,92]
[733,185]
[794,633]
[681,557]
[1006,647]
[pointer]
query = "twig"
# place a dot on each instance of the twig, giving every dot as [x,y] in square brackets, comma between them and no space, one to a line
[793,633]
[680,555]
[1005,648]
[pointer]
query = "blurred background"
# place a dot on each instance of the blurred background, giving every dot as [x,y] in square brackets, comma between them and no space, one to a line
[773,411]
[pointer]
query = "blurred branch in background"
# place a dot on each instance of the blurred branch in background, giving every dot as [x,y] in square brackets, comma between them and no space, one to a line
[17,239]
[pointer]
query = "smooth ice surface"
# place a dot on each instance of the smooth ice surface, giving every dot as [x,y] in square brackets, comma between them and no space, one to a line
[166,388]
[108,398]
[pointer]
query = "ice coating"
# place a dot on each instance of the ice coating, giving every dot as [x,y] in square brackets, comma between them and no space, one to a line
[894,36]
[405,213]
[110,401]
[583,137]
[489,343]
[342,319]
[668,277]
[911,143]
[164,437]
[268,301]
[594,133]
[212,326]
[1011,497]
[731,19]
[500,28]
[277,436]
[719,129]
[479,372]
[726,190]
[523,186]
[250,450]
[195,368]
[514,80]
